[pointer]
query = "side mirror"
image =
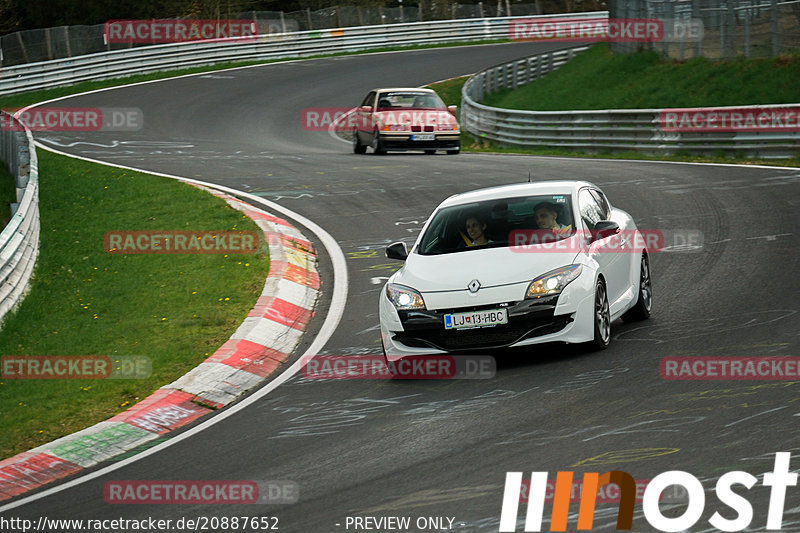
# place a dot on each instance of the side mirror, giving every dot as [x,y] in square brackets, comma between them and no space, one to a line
[452,109]
[603,229]
[365,109]
[397,250]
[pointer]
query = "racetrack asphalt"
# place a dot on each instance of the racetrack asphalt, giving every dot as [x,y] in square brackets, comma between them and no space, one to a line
[442,448]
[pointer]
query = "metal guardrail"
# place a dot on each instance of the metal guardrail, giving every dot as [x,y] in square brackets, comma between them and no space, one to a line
[19,240]
[604,130]
[142,60]
[44,44]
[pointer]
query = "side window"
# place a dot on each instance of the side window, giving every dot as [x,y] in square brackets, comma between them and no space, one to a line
[369,100]
[590,209]
[602,202]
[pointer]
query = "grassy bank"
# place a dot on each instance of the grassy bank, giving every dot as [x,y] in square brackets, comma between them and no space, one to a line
[174,309]
[597,79]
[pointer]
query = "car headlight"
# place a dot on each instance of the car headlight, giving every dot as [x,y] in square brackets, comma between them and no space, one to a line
[395,127]
[553,282]
[447,127]
[404,298]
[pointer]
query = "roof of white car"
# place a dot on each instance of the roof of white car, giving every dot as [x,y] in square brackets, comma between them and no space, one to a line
[518,189]
[413,89]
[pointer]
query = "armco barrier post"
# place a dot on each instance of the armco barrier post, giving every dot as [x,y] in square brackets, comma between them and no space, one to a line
[23,162]
[773,14]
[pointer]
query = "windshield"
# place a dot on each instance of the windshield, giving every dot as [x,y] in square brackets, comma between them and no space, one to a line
[488,224]
[410,100]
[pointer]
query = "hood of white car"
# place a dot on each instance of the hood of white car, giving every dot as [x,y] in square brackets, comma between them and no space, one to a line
[492,267]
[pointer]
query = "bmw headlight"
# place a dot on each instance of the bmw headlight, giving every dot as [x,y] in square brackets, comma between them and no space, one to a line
[404,298]
[553,282]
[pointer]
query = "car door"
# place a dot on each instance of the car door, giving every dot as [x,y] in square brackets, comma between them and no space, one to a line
[364,122]
[629,257]
[606,250]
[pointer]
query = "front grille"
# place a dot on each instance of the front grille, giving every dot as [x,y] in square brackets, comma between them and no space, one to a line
[495,337]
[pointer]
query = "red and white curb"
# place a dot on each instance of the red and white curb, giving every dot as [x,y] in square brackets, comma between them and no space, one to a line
[259,346]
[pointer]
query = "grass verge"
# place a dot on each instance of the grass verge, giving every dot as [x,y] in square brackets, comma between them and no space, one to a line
[174,309]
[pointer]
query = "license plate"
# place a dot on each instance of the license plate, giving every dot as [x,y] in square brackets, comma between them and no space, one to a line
[424,137]
[476,319]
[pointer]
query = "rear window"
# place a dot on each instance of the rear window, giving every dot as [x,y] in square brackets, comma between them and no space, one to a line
[452,229]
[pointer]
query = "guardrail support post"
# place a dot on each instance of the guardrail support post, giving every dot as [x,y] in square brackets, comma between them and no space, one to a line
[23,165]
[514,76]
[66,41]
[698,47]
[774,26]
[731,24]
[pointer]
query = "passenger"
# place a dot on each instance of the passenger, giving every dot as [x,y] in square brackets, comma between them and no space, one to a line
[546,218]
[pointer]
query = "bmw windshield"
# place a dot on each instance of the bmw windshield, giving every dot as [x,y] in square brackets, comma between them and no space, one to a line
[409,100]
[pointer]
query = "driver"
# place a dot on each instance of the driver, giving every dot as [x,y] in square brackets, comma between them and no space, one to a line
[475,232]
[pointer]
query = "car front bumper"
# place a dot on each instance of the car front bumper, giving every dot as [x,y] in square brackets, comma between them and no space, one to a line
[526,319]
[405,141]
[563,318]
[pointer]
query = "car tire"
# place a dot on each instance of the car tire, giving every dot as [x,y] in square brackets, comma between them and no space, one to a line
[430,152]
[602,318]
[454,152]
[358,148]
[644,302]
[377,145]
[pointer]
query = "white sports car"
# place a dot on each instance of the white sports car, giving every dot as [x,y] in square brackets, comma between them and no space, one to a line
[516,265]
